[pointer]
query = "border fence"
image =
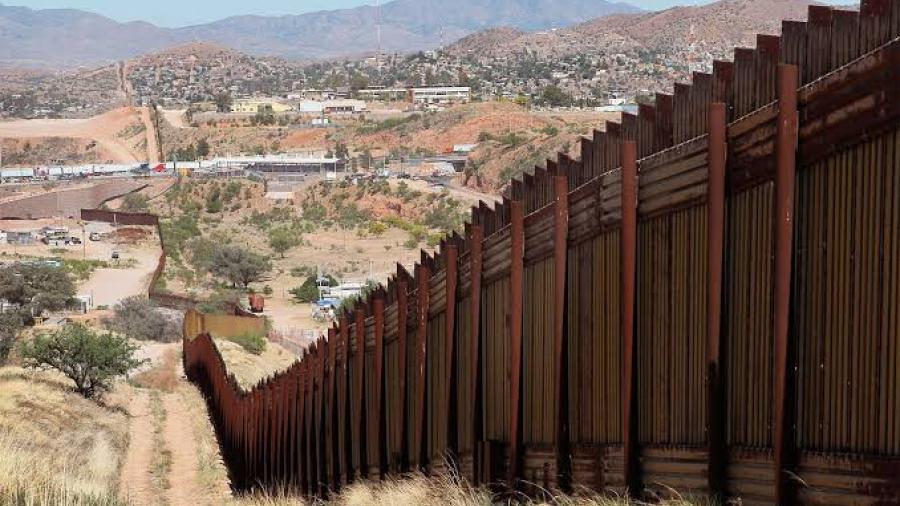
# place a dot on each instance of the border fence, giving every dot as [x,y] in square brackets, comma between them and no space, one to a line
[708,301]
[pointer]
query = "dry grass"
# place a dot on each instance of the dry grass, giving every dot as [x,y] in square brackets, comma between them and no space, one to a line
[441,491]
[250,369]
[162,376]
[161,465]
[211,473]
[55,446]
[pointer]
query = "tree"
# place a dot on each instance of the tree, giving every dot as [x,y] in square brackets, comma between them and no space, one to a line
[202,148]
[239,266]
[341,151]
[91,360]
[283,239]
[10,325]
[309,291]
[554,96]
[139,318]
[36,288]
[135,202]
[224,102]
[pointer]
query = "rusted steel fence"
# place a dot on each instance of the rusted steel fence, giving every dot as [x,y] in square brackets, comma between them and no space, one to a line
[708,301]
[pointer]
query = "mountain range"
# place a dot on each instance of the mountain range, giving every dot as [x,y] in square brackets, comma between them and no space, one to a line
[66,38]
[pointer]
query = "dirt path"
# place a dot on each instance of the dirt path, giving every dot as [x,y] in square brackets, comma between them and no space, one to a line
[172,457]
[108,286]
[136,481]
[152,141]
[184,486]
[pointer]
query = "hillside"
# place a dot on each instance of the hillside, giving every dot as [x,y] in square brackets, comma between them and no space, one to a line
[30,37]
[717,27]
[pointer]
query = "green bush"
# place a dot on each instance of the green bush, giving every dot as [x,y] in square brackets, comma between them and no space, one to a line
[139,318]
[10,325]
[91,360]
[253,342]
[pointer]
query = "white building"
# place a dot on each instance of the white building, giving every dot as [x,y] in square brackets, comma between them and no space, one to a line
[441,95]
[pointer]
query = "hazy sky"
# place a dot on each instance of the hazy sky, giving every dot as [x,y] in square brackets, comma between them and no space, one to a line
[175,13]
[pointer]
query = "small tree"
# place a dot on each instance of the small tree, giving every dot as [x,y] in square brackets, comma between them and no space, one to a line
[135,202]
[10,325]
[202,148]
[35,289]
[224,102]
[283,239]
[91,360]
[239,266]
[139,318]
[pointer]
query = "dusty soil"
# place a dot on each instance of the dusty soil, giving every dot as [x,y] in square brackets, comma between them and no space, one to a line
[117,134]
[194,474]
[136,481]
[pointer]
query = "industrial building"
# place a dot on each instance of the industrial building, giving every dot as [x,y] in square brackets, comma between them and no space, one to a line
[441,95]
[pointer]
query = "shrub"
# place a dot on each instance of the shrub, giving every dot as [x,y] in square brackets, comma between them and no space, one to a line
[139,318]
[35,289]
[91,360]
[309,291]
[135,202]
[10,325]
[253,342]
[239,266]
[283,239]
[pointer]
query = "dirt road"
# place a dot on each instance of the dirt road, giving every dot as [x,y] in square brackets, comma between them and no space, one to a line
[109,286]
[172,456]
[110,132]
[136,484]
[152,141]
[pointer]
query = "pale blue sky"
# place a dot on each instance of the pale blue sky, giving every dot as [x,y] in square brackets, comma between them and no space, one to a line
[175,13]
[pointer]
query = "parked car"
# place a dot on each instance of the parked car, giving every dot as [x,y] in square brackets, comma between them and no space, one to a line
[115,255]
[73,240]
[95,236]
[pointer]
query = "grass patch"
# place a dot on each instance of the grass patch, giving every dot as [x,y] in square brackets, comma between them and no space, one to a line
[251,341]
[82,270]
[161,465]
[55,446]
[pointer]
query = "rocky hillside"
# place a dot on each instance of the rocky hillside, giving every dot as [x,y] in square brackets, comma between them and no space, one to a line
[717,28]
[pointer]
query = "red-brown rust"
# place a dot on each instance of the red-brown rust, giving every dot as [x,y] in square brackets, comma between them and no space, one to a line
[715,259]
[560,256]
[377,418]
[475,257]
[516,275]
[452,252]
[788,81]
[422,306]
[629,266]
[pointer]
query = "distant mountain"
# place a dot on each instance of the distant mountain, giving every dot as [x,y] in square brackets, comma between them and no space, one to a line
[69,38]
[717,28]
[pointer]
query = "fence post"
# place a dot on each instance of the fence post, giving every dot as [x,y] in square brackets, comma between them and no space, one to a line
[424,301]
[476,259]
[560,256]
[402,315]
[629,270]
[516,275]
[331,424]
[452,257]
[786,152]
[378,416]
[715,258]
[357,439]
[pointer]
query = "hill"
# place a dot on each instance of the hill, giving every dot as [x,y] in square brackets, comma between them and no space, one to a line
[716,27]
[31,37]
